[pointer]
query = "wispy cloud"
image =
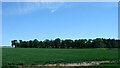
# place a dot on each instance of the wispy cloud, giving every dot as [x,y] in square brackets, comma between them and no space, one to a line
[53,6]
[20,8]
[29,7]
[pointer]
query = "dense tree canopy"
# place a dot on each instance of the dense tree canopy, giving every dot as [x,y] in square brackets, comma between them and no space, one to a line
[67,43]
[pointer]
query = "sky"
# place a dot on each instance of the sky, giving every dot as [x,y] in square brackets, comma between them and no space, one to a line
[65,20]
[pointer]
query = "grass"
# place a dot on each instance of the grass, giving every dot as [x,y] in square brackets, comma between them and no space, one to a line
[6,47]
[108,64]
[37,56]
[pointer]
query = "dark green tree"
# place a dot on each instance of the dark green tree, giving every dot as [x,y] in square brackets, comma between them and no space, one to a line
[57,43]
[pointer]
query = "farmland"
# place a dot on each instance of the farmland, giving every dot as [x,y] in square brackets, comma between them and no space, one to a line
[37,56]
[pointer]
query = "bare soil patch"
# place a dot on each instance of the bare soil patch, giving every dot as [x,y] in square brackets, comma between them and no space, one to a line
[79,64]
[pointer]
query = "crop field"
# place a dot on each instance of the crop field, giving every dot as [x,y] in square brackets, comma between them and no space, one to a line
[37,56]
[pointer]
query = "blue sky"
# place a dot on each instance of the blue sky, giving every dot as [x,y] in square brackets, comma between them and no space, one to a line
[71,20]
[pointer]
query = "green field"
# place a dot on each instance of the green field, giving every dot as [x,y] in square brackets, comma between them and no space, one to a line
[37,56]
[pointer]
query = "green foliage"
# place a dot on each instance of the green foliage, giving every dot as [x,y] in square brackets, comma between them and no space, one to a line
[67,43]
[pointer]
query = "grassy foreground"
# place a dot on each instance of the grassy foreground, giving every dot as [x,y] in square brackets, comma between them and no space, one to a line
[36,56]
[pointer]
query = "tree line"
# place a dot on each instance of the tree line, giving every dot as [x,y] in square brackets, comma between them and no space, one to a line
[67,43]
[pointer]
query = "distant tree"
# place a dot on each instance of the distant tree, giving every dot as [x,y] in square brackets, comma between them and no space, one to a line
[24,44]
[30,44]
[98,43]
[51,44]
[35,43]
[14,43]
[46,43]
[57,42]
[82,43]
[40,44]
[76,44]
[62,45]
[108,43]
[20,43]
[114,43]
[89,43]
[67,43]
